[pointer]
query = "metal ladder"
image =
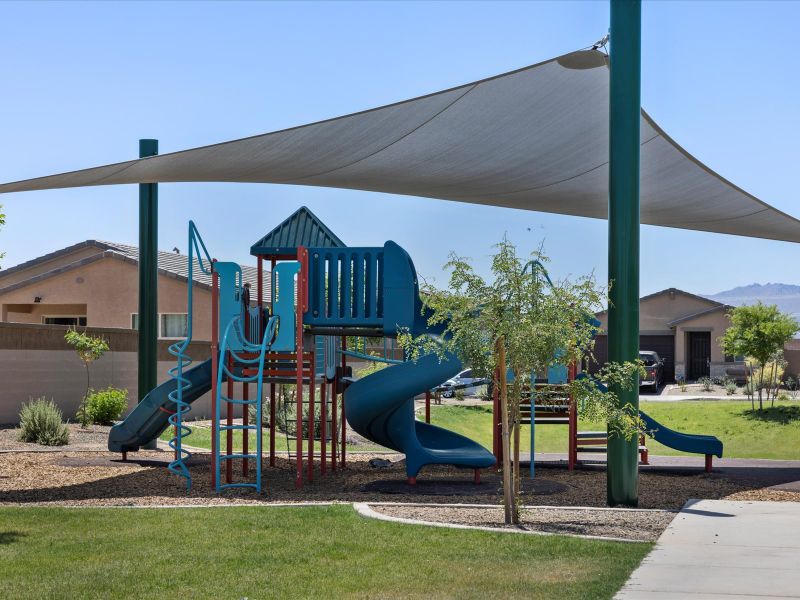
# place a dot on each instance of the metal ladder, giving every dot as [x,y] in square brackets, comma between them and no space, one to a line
[234,342]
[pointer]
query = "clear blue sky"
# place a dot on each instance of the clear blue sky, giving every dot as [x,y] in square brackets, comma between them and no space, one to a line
[81,82]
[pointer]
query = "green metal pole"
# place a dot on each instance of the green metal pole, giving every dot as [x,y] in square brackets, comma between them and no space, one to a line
[623,230]
[148,279]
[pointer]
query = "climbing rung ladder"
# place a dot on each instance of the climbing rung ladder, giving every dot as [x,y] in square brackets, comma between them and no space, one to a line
[234,338]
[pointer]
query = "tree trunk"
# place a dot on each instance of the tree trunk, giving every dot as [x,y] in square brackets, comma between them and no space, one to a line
[508,500]
[761,385]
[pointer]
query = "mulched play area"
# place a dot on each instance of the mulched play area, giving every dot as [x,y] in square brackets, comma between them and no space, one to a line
[89,477]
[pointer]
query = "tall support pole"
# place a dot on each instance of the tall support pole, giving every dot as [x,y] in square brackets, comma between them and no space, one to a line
[148,281]
[272,398]
[623,229]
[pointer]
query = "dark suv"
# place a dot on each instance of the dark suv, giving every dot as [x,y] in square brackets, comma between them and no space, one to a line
[654,366]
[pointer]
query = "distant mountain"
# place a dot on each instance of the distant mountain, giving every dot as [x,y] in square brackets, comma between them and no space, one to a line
[786,296]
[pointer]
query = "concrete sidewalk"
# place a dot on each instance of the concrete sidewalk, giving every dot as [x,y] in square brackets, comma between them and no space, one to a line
[723,549]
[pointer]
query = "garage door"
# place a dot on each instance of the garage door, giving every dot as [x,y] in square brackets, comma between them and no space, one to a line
[663,344]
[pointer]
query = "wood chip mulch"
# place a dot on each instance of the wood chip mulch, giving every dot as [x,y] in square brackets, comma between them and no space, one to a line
[81,478]
[639,525]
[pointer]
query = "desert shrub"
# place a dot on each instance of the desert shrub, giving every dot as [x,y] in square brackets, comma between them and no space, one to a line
[706,383]
[784,397]
[41,422]
[103,407]
[730,388]
[460,395]
[681,382]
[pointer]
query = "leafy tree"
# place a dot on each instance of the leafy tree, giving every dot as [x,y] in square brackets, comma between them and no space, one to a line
[760,331]
[89,348]
[520,323]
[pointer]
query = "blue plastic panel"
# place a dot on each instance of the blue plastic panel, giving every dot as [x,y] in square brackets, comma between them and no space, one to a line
[230,303]
[283,304]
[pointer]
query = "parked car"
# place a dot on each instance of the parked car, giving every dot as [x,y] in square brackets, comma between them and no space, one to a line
[463,381]
[654,367]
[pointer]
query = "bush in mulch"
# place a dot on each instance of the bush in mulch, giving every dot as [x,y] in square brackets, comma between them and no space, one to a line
[41,422]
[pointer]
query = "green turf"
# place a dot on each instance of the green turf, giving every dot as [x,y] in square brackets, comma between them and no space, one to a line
[299,552]
[200,437]
[773,433]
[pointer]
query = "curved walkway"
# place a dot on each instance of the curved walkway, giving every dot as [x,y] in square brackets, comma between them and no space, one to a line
[721,549]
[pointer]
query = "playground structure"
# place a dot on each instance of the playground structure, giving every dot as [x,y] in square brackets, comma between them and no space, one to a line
[318,297]
[295,333]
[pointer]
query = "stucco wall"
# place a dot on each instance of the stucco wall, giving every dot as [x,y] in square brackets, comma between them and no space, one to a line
[109,290]
[36,361]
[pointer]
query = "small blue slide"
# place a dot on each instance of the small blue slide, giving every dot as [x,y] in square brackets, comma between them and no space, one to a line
[149,419]
[685,442]
[708,445]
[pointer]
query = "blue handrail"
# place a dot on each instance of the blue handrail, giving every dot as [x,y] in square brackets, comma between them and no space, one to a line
[234,333]
[178,350]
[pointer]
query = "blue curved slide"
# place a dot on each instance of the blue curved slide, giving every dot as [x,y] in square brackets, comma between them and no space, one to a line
[149,419]
[685,442]
[380,407]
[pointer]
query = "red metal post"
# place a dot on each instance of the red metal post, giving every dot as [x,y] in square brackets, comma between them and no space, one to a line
[709,460]
[323,410]
[245,432]
[300,304]
[229,422]
[214,369]
[334,424]
[427,406]
[344,419]
[272,399]
[311,393]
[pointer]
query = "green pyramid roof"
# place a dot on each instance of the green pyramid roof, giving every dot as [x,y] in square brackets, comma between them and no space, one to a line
[301,228]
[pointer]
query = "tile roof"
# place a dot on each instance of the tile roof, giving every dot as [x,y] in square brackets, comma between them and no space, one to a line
[170,264]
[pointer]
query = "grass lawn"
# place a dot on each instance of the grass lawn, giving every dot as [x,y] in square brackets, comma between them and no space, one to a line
[201,438]
[299,552]
[773,433]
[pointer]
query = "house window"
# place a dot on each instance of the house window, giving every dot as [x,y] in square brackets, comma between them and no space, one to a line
[73,321]
[729,358]
[170,325]
[174,325]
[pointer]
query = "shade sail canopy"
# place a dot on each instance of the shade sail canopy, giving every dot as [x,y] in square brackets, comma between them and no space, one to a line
[535,139]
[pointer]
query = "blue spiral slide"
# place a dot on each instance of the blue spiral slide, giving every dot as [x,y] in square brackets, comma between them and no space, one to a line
[380,407]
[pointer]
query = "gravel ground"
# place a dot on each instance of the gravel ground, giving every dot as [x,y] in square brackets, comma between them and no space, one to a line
[93,438]
[640,525]
[101,478]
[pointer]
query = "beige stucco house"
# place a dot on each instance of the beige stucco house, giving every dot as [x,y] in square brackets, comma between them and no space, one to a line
[684,329]
[95,284]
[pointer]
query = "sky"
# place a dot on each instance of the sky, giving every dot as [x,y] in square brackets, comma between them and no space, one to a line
[81,83]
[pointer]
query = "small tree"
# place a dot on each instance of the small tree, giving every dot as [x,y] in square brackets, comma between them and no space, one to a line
[759,331]
[89,348]
[522,323]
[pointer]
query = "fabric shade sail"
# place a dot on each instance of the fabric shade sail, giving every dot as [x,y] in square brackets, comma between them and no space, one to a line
[534,139]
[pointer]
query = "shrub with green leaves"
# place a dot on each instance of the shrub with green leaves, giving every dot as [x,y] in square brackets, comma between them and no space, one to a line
[103,407]
[706,383]
[41,422]
[730,388]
